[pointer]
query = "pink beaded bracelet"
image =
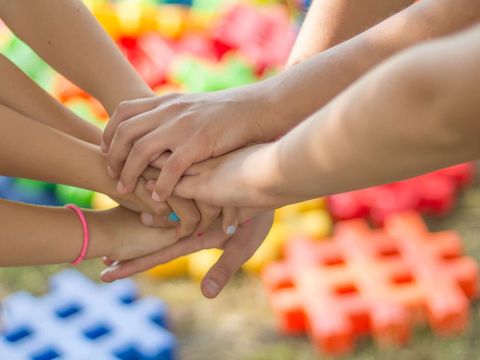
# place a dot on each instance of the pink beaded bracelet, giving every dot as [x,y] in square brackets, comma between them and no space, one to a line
[86,235]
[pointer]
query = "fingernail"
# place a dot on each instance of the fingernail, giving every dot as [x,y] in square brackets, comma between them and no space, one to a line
[147,219]
[231,229]
[121,188]
[107,270]
[103,146]
[173,217]
[246,222]
[110,172]
[211,288]
[156,197]
[200,234]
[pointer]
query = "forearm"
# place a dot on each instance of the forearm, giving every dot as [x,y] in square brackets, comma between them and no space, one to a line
[328,23]
[30,149]
[25,97]
[306,87]
[53,235]
[414,114]
[68,37]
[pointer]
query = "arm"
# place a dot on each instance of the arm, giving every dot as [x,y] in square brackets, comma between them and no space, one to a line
[67,36]
[416,113]
[308,86]
[329,23]
[25,97]
[214,124]
[30,149]
[54,235]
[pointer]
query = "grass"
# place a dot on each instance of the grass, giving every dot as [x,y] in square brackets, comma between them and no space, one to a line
[239,325]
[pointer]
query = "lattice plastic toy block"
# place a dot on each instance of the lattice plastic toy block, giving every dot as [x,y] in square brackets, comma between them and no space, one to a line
[263,38]
[434,193]
[377,282]
[81,320]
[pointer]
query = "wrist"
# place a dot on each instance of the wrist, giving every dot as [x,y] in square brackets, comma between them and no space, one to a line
[276,102]
[101,234]
[269,186]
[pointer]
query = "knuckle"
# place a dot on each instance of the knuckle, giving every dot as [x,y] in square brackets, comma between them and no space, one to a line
[123,130]
[139,149]
[124,105]
[178,105]
[175,164]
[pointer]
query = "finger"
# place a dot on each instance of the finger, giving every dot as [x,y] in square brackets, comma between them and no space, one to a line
[187,187]
[147,203]
[151,174]
[187,212]
[186,246]
[125,136]
[177,163]
[124,111]
[140,156]
[229,220]
[237,250]
[150,220]
[208,215]
[160,161]
[107,261]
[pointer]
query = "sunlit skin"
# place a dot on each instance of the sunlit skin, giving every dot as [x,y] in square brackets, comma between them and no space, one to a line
[195,127]
[415,113]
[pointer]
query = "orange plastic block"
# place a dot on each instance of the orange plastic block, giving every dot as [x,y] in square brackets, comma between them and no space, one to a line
[378,282]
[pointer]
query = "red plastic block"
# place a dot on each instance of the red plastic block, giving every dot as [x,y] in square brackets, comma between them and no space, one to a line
[263,38]
[378,282]
[150,55]
[434,193]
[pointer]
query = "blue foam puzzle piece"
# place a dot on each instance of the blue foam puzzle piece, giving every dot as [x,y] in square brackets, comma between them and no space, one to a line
[79,319]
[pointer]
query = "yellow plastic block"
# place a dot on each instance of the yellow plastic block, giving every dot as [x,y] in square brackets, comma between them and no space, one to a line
[316,224]
[130,18]
[200,262]
[269,250]
[199,21]
[108,17]
[173,269]
[171,20]
[102,202]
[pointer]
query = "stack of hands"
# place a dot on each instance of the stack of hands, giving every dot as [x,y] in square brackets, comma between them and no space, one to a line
[180,150]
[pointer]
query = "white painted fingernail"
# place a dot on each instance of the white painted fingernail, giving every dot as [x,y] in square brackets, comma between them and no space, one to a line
[231,229]
[106,271]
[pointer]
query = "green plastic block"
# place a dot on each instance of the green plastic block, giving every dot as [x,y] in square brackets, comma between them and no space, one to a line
[33,186]
[72,195]
[201,76]
[24,57]
[83,109]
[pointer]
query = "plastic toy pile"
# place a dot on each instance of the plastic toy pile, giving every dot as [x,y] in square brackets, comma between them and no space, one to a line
[359,281]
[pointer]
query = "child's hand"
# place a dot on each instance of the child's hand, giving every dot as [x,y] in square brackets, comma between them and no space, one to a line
[237,250]
[128,237]
[195,217]
[238,179]
[192,127]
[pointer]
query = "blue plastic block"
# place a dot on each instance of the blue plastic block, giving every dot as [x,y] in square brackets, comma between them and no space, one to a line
[80,320]
[27,191]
